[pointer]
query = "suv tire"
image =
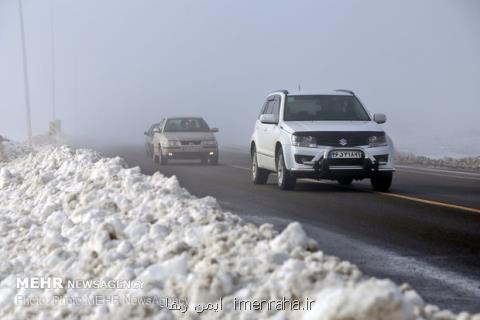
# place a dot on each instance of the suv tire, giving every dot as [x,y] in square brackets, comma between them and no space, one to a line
[381,182]
[286,181]
[259,175]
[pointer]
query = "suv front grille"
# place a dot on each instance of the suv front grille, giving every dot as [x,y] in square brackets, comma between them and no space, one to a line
[341,138]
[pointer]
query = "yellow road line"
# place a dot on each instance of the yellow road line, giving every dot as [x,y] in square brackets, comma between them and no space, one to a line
[405,197]
[432,202]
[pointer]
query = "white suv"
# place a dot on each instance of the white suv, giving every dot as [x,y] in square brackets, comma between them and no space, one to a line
[323,136]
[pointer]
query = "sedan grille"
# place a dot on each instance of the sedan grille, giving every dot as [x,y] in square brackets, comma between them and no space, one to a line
[190,142]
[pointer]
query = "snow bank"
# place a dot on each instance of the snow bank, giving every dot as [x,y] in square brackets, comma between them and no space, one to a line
[466,163]
[10,150]
[74,215]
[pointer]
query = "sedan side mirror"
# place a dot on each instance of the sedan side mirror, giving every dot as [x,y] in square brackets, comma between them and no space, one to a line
[145,133]
[214,130]
[379,118]
[268,119]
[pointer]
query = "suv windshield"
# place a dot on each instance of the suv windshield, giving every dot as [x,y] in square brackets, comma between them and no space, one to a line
[186,125]
[324,108]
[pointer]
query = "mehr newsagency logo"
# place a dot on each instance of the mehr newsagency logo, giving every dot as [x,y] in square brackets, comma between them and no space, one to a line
[59,283]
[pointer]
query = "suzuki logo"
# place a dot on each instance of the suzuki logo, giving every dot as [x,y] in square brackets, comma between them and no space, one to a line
[343,142]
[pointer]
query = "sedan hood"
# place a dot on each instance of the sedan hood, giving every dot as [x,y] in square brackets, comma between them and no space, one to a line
[189,135]
[306,126]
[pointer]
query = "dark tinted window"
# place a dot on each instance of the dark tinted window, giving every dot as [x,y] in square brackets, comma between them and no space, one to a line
[186,125]
[324,107]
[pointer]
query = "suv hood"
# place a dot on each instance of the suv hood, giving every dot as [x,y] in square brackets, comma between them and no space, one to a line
[303,126]
[189,135]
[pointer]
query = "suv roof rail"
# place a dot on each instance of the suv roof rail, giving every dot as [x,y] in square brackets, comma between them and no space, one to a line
[346,91]
[282,91]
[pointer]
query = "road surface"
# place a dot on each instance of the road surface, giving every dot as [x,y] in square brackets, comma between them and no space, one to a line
[426,232]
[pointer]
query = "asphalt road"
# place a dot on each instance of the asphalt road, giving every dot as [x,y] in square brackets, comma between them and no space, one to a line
[419,233]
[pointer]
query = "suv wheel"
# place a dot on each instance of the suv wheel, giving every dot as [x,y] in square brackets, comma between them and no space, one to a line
[285,179]
[259,175]
[382,182]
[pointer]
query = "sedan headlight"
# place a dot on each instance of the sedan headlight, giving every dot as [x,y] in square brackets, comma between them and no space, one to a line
[172,143]
[377,141]
[210,143]
[304,141]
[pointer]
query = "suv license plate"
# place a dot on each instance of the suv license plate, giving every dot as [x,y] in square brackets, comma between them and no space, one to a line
[346,155]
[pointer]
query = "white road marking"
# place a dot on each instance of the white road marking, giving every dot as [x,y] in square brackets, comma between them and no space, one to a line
[441,173]
[466,173]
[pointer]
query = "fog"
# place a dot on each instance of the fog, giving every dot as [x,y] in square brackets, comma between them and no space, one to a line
[121,65]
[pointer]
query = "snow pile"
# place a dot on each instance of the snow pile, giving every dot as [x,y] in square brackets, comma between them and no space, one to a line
[74,215]
[10,150]
[48,139]
[467,163]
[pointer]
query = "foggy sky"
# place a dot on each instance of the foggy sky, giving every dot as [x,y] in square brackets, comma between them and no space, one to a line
[122,65]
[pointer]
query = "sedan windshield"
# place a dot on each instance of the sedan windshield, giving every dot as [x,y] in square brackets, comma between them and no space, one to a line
[186,125]
[324,108]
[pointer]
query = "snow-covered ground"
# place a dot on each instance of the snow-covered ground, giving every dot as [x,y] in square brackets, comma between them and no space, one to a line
[73,215]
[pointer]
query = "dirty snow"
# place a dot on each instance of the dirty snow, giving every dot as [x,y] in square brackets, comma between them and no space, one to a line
[74,215]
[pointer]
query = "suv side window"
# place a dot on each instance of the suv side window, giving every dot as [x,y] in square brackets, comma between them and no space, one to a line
[276,106]
[264,108]
[271,106]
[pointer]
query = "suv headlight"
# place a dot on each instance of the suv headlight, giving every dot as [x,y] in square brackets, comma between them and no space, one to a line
[304,141]
[172,143]
[210,143]
[377,141]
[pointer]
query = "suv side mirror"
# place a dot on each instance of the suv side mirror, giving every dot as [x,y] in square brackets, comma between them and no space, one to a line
[379,118]
[156,130]
[268,119]
[145,133]
[214,130]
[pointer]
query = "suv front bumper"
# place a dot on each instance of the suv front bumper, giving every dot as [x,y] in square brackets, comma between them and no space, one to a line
[322,166]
